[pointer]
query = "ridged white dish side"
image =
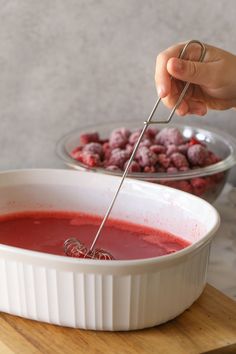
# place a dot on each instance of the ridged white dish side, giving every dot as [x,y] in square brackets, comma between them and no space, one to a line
[101,301]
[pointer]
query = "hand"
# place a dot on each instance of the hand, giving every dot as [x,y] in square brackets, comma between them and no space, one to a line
[214,79]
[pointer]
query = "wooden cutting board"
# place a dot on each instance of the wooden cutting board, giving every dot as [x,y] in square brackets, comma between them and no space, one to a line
[209,324]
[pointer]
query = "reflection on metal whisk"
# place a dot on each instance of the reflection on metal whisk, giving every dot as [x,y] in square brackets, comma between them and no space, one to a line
[75,248]
[148,122]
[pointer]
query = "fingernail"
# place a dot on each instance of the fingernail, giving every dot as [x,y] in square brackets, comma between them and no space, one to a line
[200,112]
[161,91]
[178,65]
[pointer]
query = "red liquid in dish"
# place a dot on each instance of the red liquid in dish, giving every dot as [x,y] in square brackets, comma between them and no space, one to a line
[47,231]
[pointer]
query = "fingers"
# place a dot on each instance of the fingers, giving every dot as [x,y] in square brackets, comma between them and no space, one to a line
[172,73]
[187,106]
[162,77]
[192,103]
[163,74]
[191,71]
[214,80]
[197,107]
[171,99]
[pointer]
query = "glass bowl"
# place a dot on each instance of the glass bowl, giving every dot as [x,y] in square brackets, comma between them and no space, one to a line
[212,177]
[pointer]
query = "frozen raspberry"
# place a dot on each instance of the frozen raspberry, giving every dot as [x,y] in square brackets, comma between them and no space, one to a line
[119,138]
[89,138]
[163,160]
[134,137]
[118,158]
[106,150]
[179,160]
[122,131]
[129,149]
[149,169]
[197,155]
[113,168]
[172,184]
[145,142]
[195,141]
[151,133]
[184,168]
[161,169]
[183,148]
[103,141]
[214,158]
[134,166]
[211,159]
[199,185]
[93,148]
[218,177]
[184,186]
[76,153]
[145,157]
[171,149]
[117,141]
[157,149]
[91,160]
[169,136]
[172,169]
[209,182]
[125,132]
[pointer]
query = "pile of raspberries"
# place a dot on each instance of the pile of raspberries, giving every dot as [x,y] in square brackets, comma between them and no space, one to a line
[159,151]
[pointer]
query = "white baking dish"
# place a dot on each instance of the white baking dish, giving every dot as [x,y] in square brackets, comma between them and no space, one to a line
[104,295]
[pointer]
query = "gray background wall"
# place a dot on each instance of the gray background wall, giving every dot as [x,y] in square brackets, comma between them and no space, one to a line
[65,62]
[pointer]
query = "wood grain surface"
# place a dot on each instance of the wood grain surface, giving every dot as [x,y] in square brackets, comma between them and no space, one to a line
[209,324]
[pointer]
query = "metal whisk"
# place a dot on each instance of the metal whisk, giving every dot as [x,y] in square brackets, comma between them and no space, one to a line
[79,249]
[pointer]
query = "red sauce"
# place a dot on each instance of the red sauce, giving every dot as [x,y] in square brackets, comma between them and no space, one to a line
[47,231]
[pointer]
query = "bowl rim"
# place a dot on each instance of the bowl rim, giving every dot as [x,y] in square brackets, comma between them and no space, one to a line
[218,167]
[70,261]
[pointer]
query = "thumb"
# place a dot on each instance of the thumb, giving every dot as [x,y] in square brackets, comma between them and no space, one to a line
[191,71]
